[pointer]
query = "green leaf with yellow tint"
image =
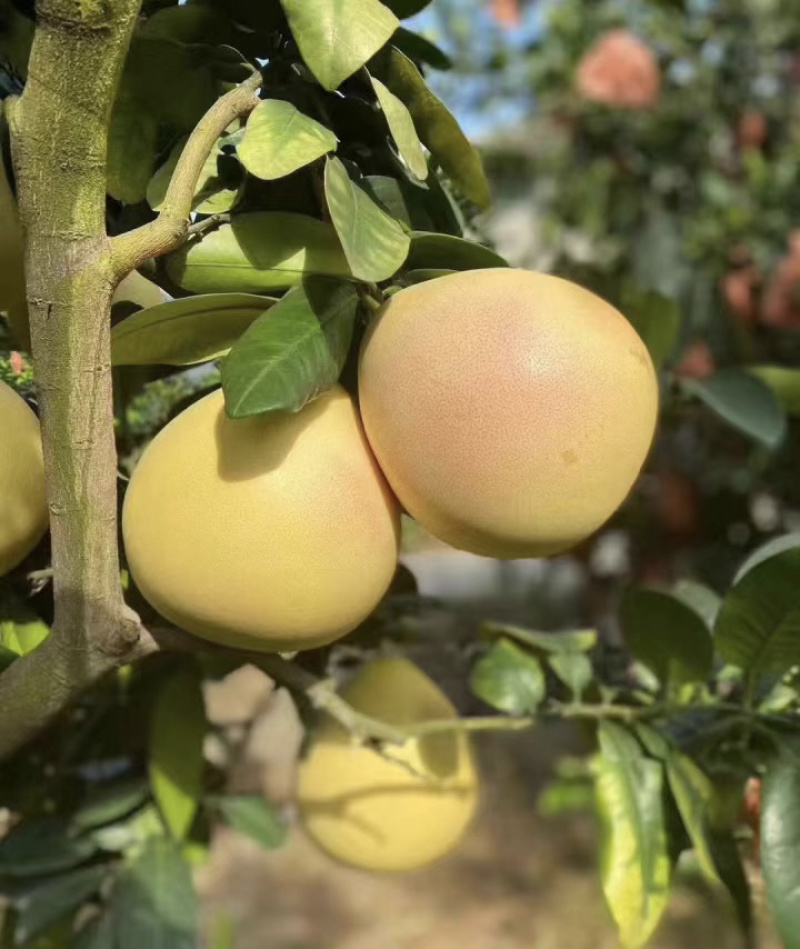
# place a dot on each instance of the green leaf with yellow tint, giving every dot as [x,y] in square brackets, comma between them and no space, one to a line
[279,139]
[635,863]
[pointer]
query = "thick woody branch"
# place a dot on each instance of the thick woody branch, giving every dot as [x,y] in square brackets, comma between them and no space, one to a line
[171,228]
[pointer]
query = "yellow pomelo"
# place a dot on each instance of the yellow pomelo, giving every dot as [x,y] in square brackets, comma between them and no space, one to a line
[12,263]
[510,411]
[275,533]
[378,814]
[23,506]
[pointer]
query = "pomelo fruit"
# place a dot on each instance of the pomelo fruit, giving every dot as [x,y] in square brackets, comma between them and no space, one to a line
[23,504]
[377,814]
[275,533]
[510,411]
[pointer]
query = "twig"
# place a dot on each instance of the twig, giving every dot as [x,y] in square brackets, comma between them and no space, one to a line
[208,224]
[171,228]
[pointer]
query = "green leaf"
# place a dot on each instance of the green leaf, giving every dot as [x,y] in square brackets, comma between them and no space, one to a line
[23,637]
[186,331]
[294,352]
[253,816]
[780,840]
[279,139]
[635,864]
[223,932]
[446,252]
[421,276]
[132,148]
[401,125]
[575,640]
[692,791]
[784,384]
[758,627]
[42,845]
[259,253]
[728,864]
[374,243]
[702,599]
[574,669]
[154,903]
[407,8]
[211,196]
[109,804]
[742,401]
[656,318]
[175,757]
[436,127]
[98,934]
[667,636]
[772,547]
[421,50]
[46,904]
[509,679]
[336,37]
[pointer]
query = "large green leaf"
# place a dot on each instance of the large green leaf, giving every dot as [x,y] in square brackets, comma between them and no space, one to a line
[668,636]
[436,127]
[167,83]
[45,905]
[635,863]
[766,551]
[509,679]
[43,845]
[702,599]
[784,383]
[728,864]
[279,139]
[294,352]
[656,318]
[108,804]
[175,757]
[780,843]
[401,125]
[98,934]
[186,331]
[154,903]
[744,402]
[336,37]
[253,816]
[259,253]
[420,49]
[23,636]
[574,669]
[374,243]
[446,252]
[692,791]
[212,195]
[758,627]
[567,641]
[407,8]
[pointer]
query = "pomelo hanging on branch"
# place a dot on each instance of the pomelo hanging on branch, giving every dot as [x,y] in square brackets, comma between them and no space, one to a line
[23,507]
[371,812]
[510,411]
[275,532]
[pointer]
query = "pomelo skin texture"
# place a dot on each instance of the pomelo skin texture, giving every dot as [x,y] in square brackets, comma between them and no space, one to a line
[23,505]
[510,411]
[272,533]
[371,813]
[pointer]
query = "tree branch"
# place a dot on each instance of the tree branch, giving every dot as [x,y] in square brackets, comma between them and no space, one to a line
[171,228]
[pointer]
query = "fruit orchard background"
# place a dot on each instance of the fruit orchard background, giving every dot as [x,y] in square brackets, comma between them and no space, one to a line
[651,150]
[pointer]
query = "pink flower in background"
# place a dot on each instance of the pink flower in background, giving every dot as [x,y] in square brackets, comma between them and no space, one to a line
[780,305]
[506,12]
[738,290]
[751,132]
[17,363]
[619,70]
[697,362]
